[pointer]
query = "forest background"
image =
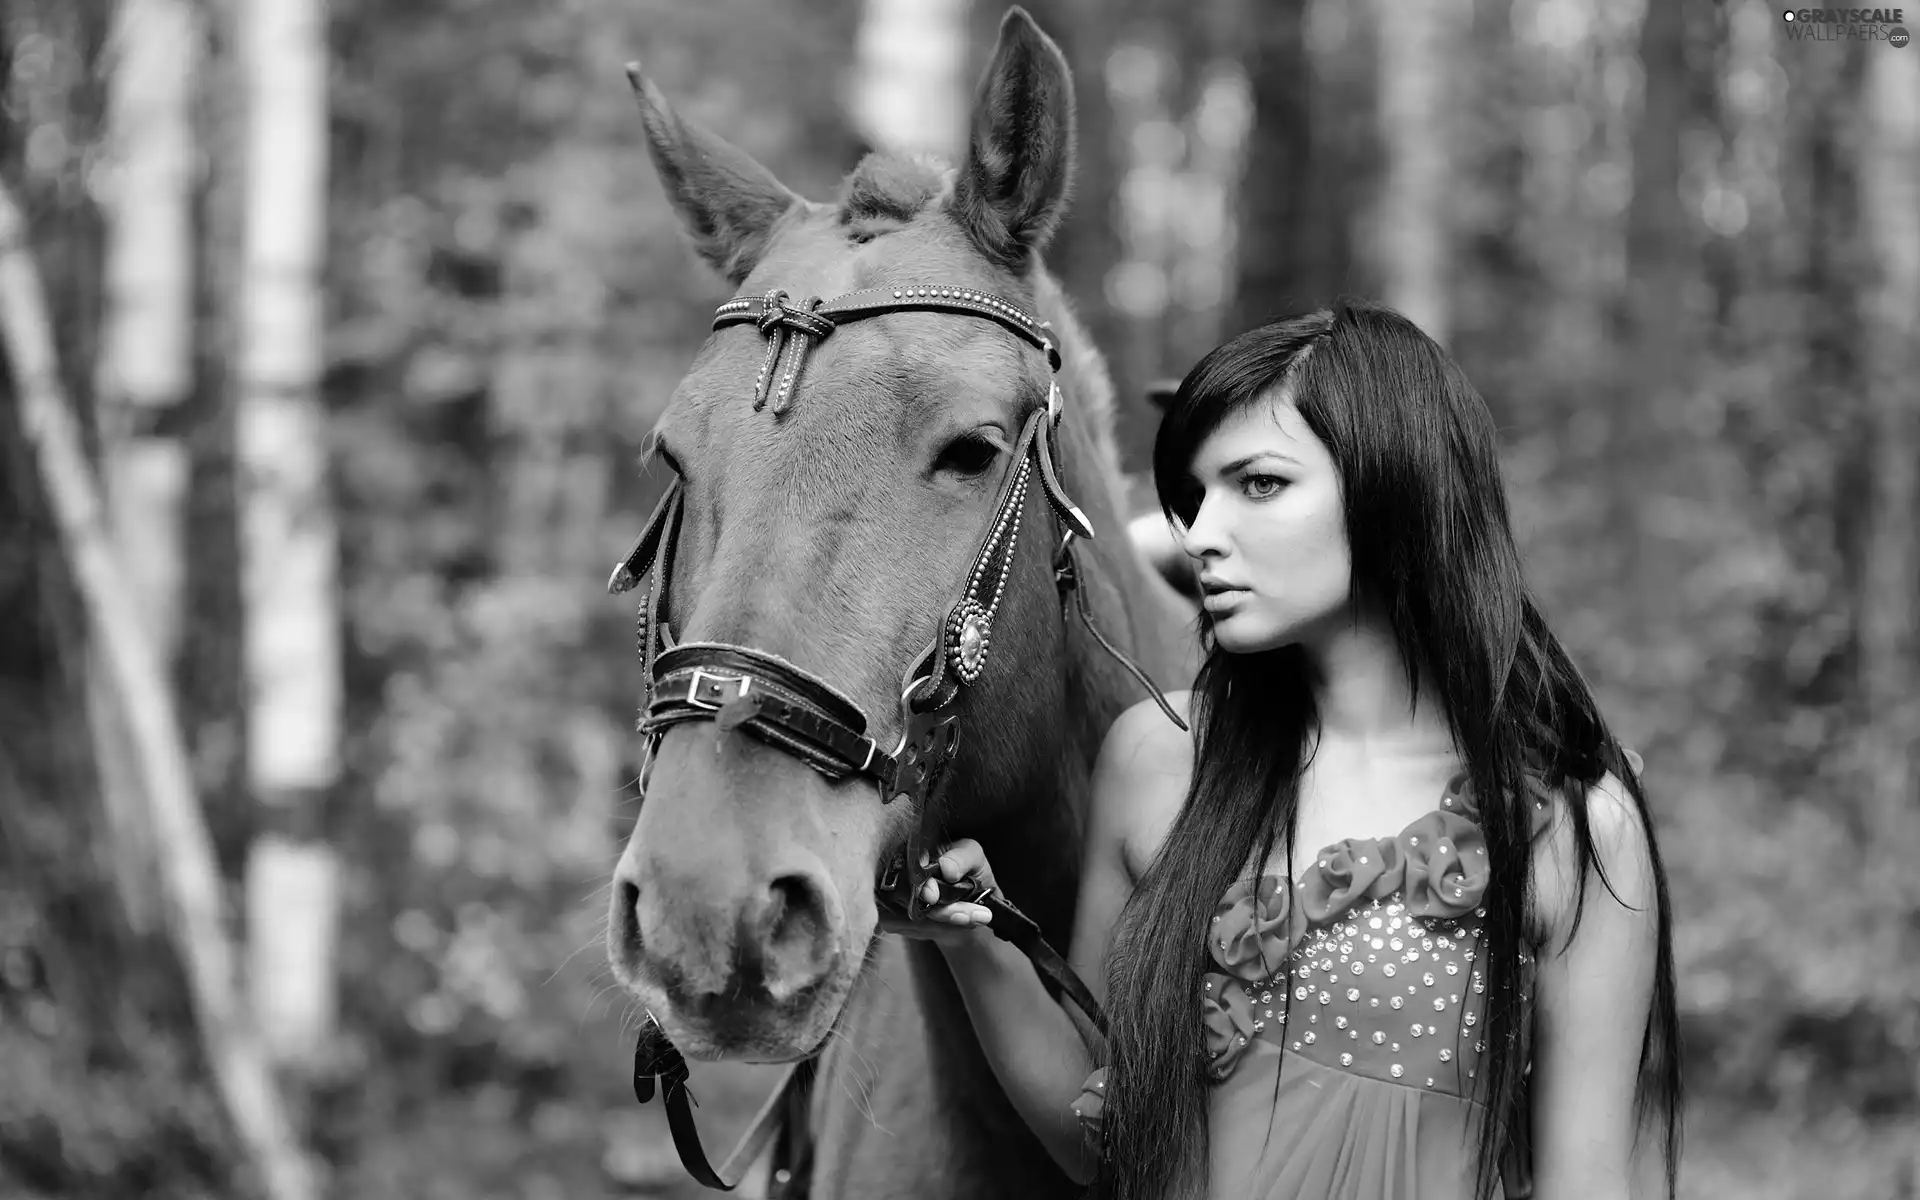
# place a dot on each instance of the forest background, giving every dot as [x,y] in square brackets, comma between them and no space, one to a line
[315,752]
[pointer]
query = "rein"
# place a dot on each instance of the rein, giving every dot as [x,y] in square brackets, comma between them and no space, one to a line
[793,710]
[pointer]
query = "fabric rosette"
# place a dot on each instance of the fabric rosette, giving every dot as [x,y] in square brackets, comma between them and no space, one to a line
[1446,869]
[1226,1014]
[1255,927]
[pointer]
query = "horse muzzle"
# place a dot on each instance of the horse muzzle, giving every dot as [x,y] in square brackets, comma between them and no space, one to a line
[752,968]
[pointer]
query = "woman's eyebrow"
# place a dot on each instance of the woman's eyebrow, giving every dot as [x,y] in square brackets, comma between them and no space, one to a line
[1249,460]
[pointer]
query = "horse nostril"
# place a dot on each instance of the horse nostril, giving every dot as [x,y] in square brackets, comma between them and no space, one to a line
[796,925]
[626,916]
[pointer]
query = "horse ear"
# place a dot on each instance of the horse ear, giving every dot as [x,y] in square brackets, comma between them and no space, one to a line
[727,202]
[1012,190]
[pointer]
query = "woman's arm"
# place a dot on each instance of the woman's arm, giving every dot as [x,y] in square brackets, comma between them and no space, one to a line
[1593,995]
[1035,1047]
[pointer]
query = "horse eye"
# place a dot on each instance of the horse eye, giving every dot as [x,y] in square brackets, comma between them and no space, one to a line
[657,449]
[968,455]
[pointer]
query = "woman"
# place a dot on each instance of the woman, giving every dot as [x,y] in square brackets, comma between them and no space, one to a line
[1305,1002]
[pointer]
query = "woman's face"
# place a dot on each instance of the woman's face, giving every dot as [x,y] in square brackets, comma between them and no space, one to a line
[1269,539]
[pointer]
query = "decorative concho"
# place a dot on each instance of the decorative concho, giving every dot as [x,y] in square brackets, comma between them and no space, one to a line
[968,639]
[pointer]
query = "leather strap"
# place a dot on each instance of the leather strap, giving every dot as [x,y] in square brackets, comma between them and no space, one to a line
[630,570]
[1009,924]
[1020,931]
[658,1065]
[1066,574]
[818,319]
[769,698]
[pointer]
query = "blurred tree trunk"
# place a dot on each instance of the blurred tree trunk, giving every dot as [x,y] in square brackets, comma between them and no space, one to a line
[1651,448]
[1497,294]
[145,368]
[1889,607]
[911,89]
[1293,237]
[1212,107]
[139,685]
[1659,267]
[289,551]
[1413,224]
[210,669]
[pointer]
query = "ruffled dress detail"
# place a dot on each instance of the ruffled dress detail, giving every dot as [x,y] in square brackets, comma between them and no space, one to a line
[1380,945]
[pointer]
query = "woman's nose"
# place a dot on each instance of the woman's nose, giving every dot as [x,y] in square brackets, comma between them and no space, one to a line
[1204,536]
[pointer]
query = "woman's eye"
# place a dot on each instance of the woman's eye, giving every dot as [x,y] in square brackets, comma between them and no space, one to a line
[969,455]
[1262,487]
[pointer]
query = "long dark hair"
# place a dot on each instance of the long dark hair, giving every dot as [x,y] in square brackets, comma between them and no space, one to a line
[1432,547]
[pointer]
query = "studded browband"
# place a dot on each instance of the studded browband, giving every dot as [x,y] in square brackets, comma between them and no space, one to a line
[815,318]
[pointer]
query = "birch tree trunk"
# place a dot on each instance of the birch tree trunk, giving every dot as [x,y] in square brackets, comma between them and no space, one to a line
[1290,246]
[1889,612]
[145,367]
[240,1068]
[1412,225]
[291,631]
[910,90]
[1659,462]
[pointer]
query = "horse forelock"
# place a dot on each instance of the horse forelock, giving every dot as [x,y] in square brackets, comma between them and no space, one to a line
[888,188]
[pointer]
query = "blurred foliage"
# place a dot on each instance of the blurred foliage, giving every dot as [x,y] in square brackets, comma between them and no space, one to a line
[511,304]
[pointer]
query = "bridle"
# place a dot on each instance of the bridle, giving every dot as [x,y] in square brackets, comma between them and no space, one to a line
[740,687]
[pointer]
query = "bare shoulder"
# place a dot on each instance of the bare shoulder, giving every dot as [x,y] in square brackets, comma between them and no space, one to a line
[1141,779]
[1142,740]
[1621,872]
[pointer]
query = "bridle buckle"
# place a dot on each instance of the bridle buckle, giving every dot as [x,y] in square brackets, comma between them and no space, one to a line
[719,681]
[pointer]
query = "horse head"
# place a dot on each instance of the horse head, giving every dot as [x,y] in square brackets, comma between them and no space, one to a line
[832,502]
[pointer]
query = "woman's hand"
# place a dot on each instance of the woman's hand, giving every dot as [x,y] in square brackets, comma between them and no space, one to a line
[949,924]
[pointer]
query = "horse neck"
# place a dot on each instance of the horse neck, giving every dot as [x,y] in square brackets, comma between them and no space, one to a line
[1038,846]
[1134,607]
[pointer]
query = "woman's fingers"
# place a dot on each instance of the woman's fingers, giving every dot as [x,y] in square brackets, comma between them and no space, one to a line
[957,861]
[964,859]
[960,859]
[962,913]
[948,923]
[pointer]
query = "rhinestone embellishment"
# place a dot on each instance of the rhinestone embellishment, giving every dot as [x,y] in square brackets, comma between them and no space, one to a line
[1362,958]
[970,646]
